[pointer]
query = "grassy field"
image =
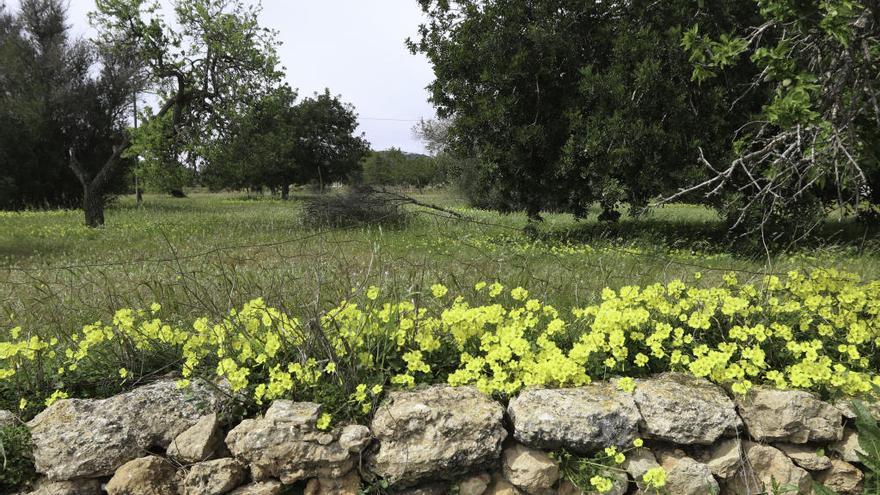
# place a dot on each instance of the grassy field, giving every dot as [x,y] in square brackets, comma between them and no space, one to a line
[210,252]
[343,311]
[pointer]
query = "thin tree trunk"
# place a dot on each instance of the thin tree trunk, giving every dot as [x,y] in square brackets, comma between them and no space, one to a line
[285,191]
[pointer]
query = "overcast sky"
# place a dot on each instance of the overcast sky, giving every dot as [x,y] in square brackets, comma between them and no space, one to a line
[355,48]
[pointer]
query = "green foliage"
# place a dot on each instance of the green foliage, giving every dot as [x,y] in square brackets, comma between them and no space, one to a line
[869,444]
[326,148]
[160,167]
[278,142]
[817,67]
[55,93]
[564,107]
[393,167]
[16,466]
[205,66]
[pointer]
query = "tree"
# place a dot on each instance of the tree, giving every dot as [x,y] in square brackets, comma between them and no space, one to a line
[815,141]
[279,142]
[257,150]
[49,97]
[640,123]
[436,134]
[506,73]
[393,167]
[213,61]
[325,147]
[565,103]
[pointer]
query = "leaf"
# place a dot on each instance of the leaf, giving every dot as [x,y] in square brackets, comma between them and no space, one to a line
[869,436]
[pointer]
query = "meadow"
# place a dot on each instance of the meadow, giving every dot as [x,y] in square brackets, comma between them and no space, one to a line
[210,252]
[207,254]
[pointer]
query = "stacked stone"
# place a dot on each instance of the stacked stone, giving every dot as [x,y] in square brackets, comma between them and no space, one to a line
[159,440]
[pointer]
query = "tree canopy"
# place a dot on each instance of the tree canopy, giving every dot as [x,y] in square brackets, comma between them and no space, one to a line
[206,66]
[815,140]
[564,104]
[279,142]
[51,100]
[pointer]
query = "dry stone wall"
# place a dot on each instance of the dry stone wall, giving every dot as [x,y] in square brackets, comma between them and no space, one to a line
[160,440]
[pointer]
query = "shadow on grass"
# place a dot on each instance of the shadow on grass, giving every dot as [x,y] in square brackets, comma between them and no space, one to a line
[712,236]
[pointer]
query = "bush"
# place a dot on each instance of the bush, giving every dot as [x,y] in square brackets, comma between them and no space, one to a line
[354,208]
[15,447]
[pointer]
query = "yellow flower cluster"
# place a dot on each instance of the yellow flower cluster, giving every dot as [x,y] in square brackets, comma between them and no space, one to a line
[817,331]
[814,331]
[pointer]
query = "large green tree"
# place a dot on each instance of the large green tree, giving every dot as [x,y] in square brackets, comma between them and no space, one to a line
[640,124]
[326,147]
[506,73]
[206,66]
[567,102]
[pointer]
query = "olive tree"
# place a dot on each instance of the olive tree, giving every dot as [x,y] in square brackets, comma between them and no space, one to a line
[205,67]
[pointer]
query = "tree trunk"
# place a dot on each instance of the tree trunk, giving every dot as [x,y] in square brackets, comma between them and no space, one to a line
[93,206]
[285,191]
[93,187]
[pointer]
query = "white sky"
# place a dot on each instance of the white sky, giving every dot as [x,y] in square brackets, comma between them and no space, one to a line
[355,48]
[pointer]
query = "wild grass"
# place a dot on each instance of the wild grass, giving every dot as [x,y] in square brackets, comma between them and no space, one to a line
[211,252]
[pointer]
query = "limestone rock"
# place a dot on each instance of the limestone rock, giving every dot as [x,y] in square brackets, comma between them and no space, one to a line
[260,488]
[848,446]
[638,462]
[439,432]
[805,457]
[355,437]
[845,407]
[149,475]
[683,409]
[7,418]
[724,458]
[532,471]
[435,488]
[214,477]
[349,484]
[501,486]
[792,416]
[84,438]
[764,464]
[686,476]
[843,478]
[286,444]
[580,419]
[199,442]
[72,487]
[475,484]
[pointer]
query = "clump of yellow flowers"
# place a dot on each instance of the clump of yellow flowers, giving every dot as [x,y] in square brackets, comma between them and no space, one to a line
[597,474]
[817,331]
